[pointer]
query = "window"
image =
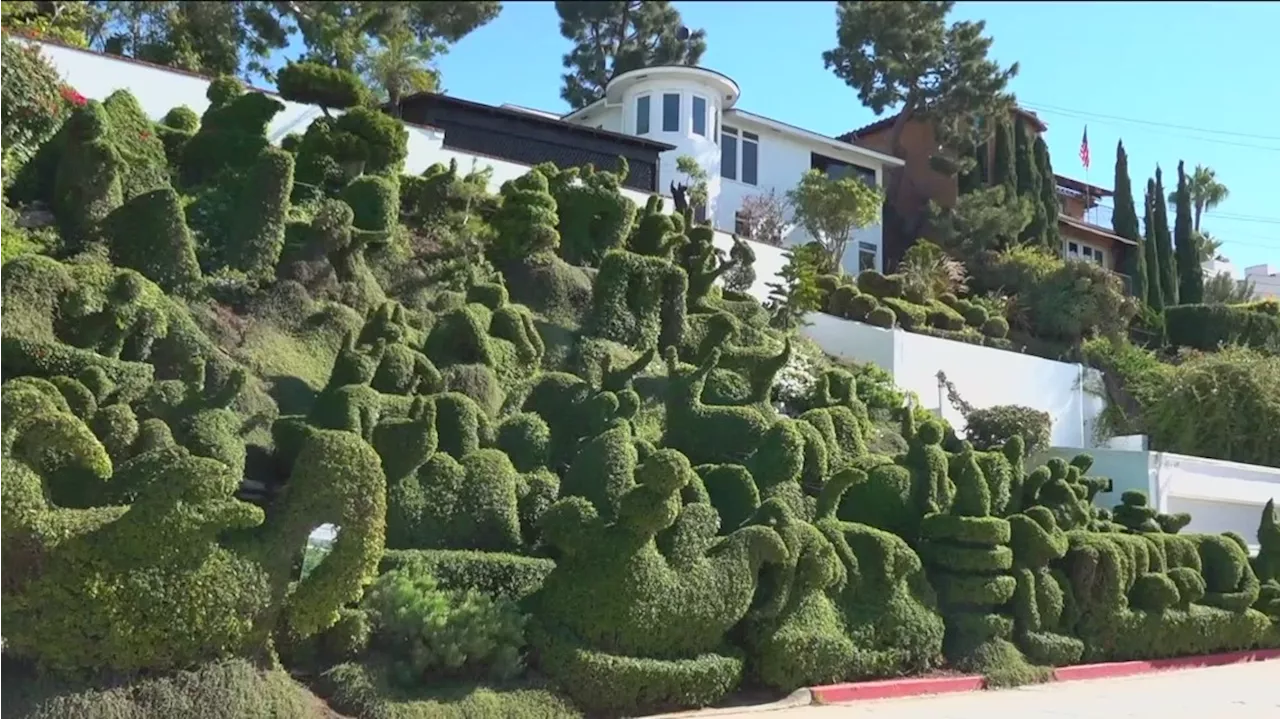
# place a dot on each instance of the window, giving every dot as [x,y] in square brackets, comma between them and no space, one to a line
[742,225]
[671,112]
[839,169]
[1073,248]
[750,157]
[700,116]
[729,154]
[642,115]
[867,256]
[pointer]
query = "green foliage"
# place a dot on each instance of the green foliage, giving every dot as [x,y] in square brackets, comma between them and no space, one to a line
[1004,173]
[526,223]
[742,275]
[1048,193]
[647,38]
[1151,249]
[329,87]
[638,301]
[594,216]
[1209,327]
[988,219]
[990,428]
[1124,221]
[1164,243]
[797,293]
[149,234]
[1030,182]
[434,633]
[1186,246]
[34,101]
[830,209]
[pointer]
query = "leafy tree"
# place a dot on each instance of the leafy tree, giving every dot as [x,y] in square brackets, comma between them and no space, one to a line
[766,218]
[1223,289]
[928,270]
[1190,276]
[339,34]
[610,38]
[1150,250]
[65,22]
[1029,181]
[976,176]
[1124,221]
[1164,243]
[830,209]
[1206,192]
[897,54]
[1005,169]
[981,221]
[212,38]
[1048,194]
[796,293]
[693,194]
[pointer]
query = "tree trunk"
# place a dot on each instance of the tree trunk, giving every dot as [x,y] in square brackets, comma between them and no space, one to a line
[1199,210]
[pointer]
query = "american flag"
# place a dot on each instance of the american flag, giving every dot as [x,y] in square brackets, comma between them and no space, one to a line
[1084,148]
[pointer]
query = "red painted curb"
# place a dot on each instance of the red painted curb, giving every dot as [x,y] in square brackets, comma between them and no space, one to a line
[894,688]
[898,688]
[1124,669]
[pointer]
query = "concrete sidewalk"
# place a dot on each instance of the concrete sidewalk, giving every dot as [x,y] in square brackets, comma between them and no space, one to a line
[1239,691]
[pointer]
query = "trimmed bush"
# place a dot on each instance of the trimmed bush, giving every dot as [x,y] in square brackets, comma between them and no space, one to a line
[313,84]
[1208,327]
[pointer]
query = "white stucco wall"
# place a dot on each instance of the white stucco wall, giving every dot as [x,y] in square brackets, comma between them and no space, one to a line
[983,376]
[783,159]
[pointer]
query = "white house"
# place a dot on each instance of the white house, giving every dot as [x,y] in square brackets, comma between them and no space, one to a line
[744,154]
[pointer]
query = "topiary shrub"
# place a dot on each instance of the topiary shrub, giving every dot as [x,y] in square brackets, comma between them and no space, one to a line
[149,234]
[638,301]
[911,316]
[526,223]
[594,216]
[995,328]
[881,316]
[1208,327]
[313,84]
[880,286]
[434,634]
[991,427]
[34,102]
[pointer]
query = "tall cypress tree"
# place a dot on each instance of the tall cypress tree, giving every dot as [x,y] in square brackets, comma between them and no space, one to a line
[1190,276]
[1048,195]
[976,177]
[1028,181]
[1164,244]
[1155,295]
[1124,220]
[1005,169]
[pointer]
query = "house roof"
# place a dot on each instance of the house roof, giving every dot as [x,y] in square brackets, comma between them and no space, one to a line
[784,128]
[1081,188]
[1094,230]
[536,118]
[885,123]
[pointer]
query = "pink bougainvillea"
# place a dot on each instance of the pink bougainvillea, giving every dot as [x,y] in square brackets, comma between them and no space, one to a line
[70,95]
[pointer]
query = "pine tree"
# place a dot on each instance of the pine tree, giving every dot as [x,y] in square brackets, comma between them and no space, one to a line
[1124,220]
[1190,276]
[1005,170]
[1048,195]
[1029,182]
[975,178]
[1164,244]
[1155,294]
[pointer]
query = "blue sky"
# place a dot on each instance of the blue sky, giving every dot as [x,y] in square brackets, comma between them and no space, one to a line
[1115,66]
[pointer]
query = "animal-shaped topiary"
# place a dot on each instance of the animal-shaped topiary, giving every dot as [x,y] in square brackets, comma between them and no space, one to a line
[967,553]
[526,223]
[888,606]
[595,216]
[1266,564]
[1040,601]
[625,626]
[797,637]
[708,434]
[704,264]
[196,410]
[657,233]
[638,301]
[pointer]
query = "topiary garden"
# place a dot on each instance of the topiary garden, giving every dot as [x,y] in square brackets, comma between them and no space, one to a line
[564,470]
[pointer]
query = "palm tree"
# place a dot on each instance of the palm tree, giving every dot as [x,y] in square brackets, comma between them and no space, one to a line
[401,66]
[1206,192]
[1208,245]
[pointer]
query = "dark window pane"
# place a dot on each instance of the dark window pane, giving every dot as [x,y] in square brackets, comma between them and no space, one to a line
[700,116]
[671,113]
[741,224]
[750,136]
[749,160]
[866,257]
[728,156]
[642,115]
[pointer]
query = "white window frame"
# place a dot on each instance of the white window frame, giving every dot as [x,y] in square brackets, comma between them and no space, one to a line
[874,250]
[635,116]
[741,136]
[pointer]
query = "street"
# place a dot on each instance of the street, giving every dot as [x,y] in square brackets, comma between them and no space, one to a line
[1239,691]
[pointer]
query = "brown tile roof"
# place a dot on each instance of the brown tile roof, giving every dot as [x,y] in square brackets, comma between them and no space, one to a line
[885,123]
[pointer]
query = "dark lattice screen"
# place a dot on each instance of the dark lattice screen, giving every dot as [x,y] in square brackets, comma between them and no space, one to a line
[531,152]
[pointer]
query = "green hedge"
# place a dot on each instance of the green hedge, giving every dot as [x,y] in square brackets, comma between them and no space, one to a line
[1208,327]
